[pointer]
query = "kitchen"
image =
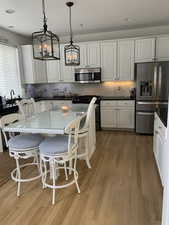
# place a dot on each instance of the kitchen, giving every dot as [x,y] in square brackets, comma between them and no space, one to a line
[127,71]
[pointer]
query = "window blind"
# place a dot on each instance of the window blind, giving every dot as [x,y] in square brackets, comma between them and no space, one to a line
[9,71]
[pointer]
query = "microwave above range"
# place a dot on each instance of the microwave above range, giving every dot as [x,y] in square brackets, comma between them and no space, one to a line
[88,75]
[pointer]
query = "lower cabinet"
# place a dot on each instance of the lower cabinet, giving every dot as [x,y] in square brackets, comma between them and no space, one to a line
[117,114]
[108,118]
[159,148]
[125,118]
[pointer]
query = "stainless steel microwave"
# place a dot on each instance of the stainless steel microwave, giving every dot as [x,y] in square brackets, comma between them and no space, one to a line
[88,75]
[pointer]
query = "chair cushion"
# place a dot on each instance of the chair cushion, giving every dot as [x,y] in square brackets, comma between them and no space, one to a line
[54,145]
[25,141]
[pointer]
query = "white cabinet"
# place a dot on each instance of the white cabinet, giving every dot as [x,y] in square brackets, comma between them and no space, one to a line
[145,50]
[162,50]
[53,71]
[34,70]
[83,54]
[117,114]
[67,72]
[125,60]
[108,118]
[93,54]
[109,60]
[160,148]
[125,118]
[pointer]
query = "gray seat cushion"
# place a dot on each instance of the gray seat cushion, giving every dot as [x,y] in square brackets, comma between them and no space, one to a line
[54,145]
[25,141]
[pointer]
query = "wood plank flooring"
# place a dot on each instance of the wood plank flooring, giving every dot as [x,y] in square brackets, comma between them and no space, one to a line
[122,188]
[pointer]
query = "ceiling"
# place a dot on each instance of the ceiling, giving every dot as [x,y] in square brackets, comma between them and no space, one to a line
[87,15]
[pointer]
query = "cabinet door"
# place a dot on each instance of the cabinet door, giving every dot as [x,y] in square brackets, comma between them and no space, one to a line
[93,54]
[108,118]
[53,71]
[159,156]
[126,60]
[83,54]
[66,72]
[40,74]
[162,50]
[27,64]
[109,60]
[145,50]
[125,118]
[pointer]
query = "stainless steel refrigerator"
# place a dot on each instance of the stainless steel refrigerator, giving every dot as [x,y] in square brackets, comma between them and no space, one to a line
[152,89]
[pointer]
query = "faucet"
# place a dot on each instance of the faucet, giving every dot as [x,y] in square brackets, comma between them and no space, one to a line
[12,93]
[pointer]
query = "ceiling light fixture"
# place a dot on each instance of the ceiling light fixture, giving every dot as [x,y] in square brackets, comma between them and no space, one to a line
[10,11]
[72,52]
[45,43]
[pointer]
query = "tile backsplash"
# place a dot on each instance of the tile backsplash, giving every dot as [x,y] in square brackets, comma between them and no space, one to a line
[116,88]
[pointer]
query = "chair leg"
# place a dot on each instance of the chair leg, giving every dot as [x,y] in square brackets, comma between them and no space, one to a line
[42,173]
[87,152]
[53,171]
[75,176]
[18,177]
[66,175]
[70,165]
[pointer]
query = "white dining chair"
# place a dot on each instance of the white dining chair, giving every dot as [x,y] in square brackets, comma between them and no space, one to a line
[57,151]
[84,131]
[27,107]
[22,146]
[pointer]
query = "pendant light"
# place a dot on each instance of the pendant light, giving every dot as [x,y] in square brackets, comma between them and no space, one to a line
[71,51]
[45,43]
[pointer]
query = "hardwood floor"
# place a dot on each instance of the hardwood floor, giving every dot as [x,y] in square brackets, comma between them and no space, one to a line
[122,188]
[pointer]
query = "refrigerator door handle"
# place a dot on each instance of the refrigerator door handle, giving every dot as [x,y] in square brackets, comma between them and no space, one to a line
[145,113]
[159,80]
[155,80]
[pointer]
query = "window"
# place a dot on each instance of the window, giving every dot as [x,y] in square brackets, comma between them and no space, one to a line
[9,71]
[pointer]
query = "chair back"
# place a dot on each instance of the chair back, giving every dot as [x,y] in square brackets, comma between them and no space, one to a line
[7,120]
[72,130]
[89,112]
[27,107]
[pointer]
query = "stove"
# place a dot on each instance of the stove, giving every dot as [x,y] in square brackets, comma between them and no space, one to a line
[85,99]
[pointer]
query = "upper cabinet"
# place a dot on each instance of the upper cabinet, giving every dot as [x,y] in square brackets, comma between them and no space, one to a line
[34,70]
[53,71]
[67,72]
[93,54]
[125,59]
[83,54]
[162,49]
[109,60]
[145,50]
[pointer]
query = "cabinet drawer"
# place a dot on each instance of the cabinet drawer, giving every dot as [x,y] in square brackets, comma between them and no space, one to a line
[126,103]
[108,103]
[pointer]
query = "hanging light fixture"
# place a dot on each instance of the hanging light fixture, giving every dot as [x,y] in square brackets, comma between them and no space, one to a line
[45,43]
[72,52]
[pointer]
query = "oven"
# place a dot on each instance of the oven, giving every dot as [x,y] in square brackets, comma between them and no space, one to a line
[85,99]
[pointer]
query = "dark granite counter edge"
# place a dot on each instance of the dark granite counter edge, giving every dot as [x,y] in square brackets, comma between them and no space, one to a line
[52,98]
[116,98]
[163,115]
[70,98]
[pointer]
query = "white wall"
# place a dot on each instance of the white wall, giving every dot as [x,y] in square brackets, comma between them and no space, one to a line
[155,30]
[12,38]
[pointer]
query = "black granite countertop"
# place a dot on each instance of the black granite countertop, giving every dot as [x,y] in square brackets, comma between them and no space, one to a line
[53,98]
[8,109]
[117,98]
[70,98]
[163,114]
